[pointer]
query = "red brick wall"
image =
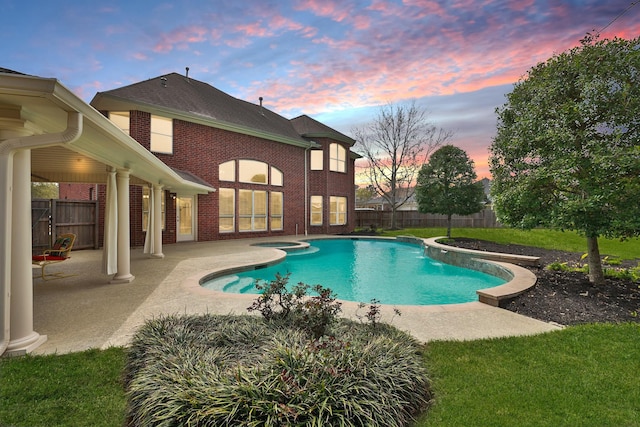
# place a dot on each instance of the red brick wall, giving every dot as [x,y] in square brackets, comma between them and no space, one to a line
[200,149]
[328,183]
[74,191]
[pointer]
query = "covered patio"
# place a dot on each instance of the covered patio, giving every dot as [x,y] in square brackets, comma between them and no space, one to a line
[48,134]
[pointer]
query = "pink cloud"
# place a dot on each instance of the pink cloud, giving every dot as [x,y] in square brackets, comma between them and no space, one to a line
[328,8]
[180,37]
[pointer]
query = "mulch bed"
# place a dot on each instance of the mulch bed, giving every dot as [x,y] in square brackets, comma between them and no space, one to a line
[567,298]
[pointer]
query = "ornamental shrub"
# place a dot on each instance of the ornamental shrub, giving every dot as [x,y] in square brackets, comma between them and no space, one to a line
[245,371]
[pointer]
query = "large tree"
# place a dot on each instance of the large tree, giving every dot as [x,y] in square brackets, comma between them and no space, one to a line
[395,144]
[447,185]
[567,150]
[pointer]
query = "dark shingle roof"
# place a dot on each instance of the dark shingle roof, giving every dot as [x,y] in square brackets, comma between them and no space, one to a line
[8,71]
[175,92]
[311,128]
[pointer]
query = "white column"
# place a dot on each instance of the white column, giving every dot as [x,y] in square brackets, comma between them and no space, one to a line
[6,186]
[124,242]
[23,338]
[158,194]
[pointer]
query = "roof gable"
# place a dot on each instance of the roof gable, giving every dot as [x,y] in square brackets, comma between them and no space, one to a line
[198,101]
[311,128]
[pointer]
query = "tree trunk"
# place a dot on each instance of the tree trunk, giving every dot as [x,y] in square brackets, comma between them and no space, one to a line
[596,275]
[393,218]
[448,226]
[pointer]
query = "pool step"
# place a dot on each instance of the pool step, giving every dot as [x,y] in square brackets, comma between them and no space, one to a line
[231,283]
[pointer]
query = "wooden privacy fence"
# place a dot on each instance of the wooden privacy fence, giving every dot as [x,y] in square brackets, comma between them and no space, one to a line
[486,218]
[51,217]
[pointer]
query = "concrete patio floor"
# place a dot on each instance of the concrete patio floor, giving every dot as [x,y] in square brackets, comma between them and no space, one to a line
[85,311]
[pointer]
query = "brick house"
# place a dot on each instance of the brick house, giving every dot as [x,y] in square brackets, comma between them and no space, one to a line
[273,176]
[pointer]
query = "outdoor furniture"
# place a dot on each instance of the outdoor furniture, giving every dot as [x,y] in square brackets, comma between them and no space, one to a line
[59,252]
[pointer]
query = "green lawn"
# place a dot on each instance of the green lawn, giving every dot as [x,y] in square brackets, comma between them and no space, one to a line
[580,376]
[548,239]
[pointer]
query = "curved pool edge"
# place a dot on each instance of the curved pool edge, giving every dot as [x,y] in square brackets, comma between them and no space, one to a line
[520,279]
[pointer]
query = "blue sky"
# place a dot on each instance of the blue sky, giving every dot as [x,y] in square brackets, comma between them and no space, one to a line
[335,60]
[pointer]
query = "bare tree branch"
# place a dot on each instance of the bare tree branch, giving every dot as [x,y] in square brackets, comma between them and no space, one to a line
[395,144]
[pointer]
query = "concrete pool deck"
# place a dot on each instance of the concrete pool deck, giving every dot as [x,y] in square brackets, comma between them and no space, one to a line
[85,311]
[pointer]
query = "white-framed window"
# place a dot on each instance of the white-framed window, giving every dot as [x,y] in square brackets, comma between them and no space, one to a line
[276,177]
[161,135]
[227,171]
[146,191]
[337,158]
[276,209]
[253,171]
[120,119]
[252,210]
[227,210]
[316,210]
[316,160]
[337,210]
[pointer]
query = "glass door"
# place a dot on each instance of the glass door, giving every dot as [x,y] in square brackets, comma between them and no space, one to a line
[185,219]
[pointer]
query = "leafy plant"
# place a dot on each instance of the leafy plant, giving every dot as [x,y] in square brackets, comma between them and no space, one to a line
[373,315]
[312,313]
[192,370]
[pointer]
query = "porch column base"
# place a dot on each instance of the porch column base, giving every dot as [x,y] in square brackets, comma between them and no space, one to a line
[126,278]
[25,345]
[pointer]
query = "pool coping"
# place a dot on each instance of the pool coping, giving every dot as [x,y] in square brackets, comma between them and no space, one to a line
[519,279]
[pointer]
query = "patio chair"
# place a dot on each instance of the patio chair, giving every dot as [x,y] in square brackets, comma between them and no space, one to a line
[59,252]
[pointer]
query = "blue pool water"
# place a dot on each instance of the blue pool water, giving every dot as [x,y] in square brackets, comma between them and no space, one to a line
[393,272]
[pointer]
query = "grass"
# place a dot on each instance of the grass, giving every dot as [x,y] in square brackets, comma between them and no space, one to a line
[547,239]
[582,375]
[76,389]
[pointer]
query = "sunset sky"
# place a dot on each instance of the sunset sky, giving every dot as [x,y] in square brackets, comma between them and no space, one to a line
[335,60]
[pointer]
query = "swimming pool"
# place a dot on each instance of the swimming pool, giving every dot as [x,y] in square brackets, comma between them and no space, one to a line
[359,270]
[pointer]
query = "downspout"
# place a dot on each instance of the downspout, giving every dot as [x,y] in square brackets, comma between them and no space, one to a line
[7,149]
[306,190]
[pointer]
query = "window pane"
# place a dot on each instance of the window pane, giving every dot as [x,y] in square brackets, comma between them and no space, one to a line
[161,135]
[244,224]
[260,203]
[252,171]
[316,160]
[260,224]
[225,225]
[227,171]
[337,158]
[226,220]
[275,208]
[120,119]
[246,202]
[276,203]
[338,210]
[316,210]
[276,176]
[227,202]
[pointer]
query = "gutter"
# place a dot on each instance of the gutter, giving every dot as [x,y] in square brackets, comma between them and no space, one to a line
[7,150]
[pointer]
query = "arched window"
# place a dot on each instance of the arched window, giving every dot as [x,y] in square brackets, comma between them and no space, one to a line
[227,171]
[253,171]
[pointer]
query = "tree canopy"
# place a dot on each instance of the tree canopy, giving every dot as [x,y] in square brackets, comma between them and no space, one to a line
[447,185]
[567,150]
[395,145]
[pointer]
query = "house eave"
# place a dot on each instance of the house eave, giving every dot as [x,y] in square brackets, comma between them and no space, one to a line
[109,102]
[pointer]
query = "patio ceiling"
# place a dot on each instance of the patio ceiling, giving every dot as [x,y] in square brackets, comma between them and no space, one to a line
[43,106]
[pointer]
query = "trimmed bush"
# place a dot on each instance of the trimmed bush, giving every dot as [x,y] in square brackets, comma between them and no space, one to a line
[245,371]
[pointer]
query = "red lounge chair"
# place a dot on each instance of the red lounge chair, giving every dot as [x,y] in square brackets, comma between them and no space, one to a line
[59,252]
